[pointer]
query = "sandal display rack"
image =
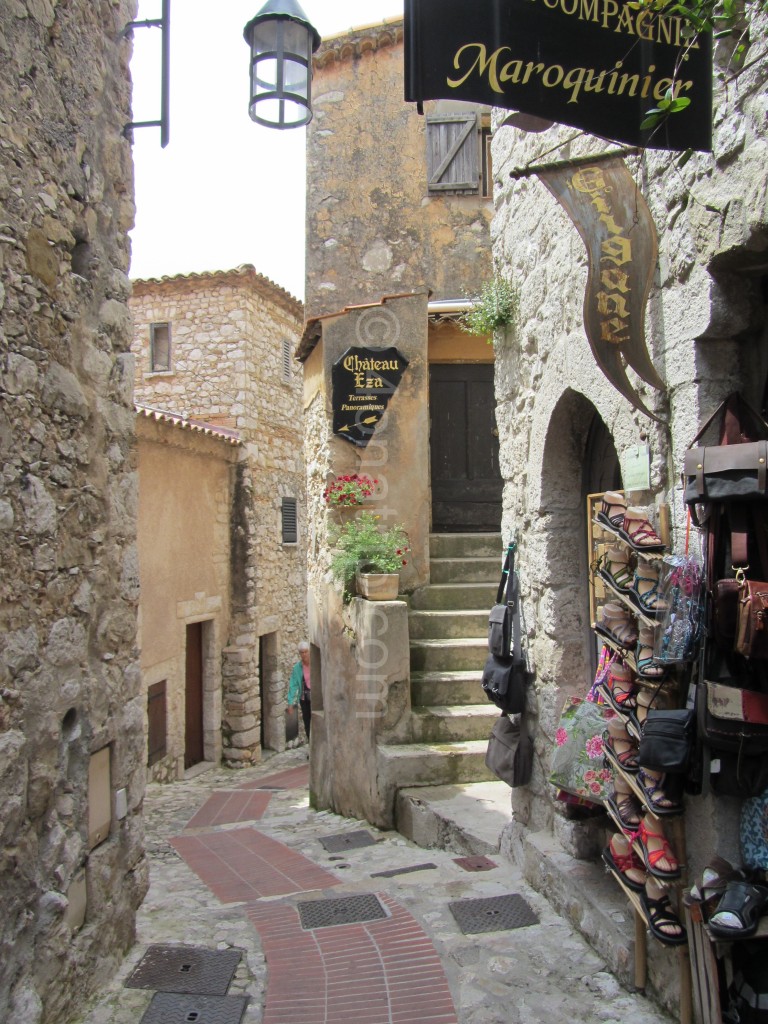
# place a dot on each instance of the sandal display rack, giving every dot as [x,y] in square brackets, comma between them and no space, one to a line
[601,538]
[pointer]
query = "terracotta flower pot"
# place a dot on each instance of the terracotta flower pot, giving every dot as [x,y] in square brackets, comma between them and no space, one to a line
[378,586]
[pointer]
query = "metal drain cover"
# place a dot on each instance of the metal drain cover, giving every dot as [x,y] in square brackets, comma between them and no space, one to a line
[403,871]
[340,910]
[171,1008]
[493,914]
[348,841]
[186,969]
[475,863]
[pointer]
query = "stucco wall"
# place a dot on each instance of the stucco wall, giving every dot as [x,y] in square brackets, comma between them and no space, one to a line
[69,679]
[372,229]
[705,325]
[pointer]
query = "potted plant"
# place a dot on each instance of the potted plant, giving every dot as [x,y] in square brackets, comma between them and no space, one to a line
[349,491]
[364,553]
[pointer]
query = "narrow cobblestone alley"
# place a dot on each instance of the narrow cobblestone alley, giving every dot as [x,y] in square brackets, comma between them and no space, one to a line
[240,862]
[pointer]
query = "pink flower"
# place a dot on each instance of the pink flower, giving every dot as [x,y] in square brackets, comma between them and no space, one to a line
[590,776]
[605,774]
[561,736]
[595,787]
[595,747]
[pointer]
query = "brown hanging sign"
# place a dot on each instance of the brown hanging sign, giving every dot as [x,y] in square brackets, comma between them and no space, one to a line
[613,219]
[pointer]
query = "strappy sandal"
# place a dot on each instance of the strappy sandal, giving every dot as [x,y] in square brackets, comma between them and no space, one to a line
[623,862]
[637,531]
[658,914]
[739,911]
[647,666]
[648,601]
[625,760]
[612,510]
[652,857]
[619,690]
[615,570]
[655,796]
[626,809]
[618,624]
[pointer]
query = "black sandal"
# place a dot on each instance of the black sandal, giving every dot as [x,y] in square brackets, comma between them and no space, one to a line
[744,901]
[626,810]
[659,913]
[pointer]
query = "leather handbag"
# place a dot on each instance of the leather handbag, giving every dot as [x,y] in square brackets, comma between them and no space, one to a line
[732,719]
[752,622]
[500,620]
[504,683]
[510,752]
[666,742]
[725,612]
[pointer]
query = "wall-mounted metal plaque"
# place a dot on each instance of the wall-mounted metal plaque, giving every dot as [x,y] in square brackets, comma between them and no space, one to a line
[364,380]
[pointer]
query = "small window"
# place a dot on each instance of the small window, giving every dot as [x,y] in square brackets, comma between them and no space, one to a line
[157,726]
[453,153]
[159,347]
[290,522]
[287,362]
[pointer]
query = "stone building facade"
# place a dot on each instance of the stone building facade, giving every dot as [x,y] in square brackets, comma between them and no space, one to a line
[72,865]
[218,348]
[380,219]
[565,430]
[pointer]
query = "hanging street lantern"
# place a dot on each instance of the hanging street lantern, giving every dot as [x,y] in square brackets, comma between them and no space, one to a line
[282,42]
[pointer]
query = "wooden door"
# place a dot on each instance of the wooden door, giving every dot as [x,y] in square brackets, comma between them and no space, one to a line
[193,703]
[464,448]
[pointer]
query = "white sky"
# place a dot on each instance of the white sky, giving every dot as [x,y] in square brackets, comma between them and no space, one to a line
[225,191]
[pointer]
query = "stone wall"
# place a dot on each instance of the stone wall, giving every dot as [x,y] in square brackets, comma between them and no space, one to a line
[228,367]
[372,227]
[706,326]
[72,866]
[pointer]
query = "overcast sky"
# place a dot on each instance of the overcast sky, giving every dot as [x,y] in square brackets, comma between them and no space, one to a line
[225,191]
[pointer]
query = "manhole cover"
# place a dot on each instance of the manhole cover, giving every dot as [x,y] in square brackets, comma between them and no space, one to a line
[171,1008]
[403,871]
[493,914]
[186,969]
[340,910]
[475,863]
[348,841]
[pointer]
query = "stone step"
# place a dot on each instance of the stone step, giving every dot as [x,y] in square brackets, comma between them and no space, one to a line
[444,596]
[447,724]
[467,819]
[446,625]
[431,764]
[440,688]
[465,570]
[465,545]
[456,655]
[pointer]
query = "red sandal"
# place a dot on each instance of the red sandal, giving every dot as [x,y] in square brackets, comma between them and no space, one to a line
[652,857]
[619,690]
[621,859]
[638,532]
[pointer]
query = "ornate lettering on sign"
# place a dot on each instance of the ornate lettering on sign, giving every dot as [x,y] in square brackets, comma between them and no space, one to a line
[364,381]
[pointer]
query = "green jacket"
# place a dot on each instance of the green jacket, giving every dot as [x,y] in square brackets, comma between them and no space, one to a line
[296,684]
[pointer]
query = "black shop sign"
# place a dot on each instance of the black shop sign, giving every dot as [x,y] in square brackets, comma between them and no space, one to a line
[364,380]
[598,65]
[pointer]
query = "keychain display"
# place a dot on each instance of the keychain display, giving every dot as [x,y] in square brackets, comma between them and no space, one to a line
[682,591]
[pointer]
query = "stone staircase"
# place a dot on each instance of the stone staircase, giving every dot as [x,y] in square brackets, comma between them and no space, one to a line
[448,626]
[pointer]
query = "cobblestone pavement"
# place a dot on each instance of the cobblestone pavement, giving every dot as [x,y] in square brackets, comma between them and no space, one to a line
[544,973]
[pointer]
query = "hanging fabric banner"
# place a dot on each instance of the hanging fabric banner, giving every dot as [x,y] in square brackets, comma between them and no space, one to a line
[598,65]
[613,219]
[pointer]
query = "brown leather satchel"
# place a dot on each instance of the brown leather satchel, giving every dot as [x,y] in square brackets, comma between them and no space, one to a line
[752,629]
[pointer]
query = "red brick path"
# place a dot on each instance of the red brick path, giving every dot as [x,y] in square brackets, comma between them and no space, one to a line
[291,778]
[225,807]
[242,864]
[379,972]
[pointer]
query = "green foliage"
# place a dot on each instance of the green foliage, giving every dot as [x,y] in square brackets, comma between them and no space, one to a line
[361,545]
[495,309]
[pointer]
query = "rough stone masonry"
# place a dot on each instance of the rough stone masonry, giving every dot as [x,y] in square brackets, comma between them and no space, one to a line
[72,866]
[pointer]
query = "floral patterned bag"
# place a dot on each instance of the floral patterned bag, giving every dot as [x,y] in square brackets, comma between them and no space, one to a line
[754,832]
[577,764]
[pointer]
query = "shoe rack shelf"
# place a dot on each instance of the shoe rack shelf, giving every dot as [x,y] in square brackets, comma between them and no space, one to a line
[600,537]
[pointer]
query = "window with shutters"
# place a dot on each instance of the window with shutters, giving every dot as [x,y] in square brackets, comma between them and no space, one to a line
[157,725]
[159,348]
[287,366]
[290,521]
[453,153]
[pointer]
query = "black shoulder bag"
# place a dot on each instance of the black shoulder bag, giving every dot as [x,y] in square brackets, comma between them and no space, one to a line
[505,675]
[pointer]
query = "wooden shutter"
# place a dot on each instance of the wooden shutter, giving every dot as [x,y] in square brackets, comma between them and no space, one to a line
[290,521]
[157,714]
[453,163]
